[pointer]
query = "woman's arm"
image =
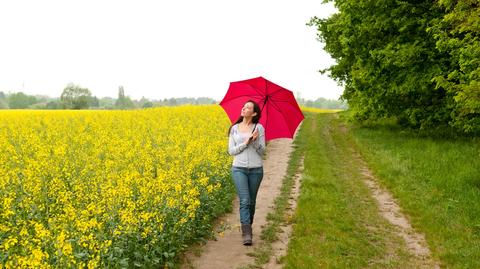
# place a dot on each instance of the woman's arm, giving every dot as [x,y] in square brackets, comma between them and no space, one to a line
[234,149]
[259,143]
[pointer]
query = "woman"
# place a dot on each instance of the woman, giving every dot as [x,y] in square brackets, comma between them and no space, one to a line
[246,143]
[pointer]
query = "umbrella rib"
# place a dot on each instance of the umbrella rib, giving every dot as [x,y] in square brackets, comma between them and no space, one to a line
[266,120]
[255,88]
[281,112]
[281,89]
[277,100]
[233,98]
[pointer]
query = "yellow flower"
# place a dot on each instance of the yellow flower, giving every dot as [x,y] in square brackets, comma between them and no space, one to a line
[81,181]
[10,242]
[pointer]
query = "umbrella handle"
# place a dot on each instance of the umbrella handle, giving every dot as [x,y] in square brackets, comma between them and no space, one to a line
[264,103]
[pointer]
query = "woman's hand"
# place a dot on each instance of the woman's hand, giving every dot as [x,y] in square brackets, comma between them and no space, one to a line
[253,137]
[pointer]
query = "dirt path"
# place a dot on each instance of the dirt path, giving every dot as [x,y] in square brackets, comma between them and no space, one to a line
[280,246]
[227,251]
[391,211]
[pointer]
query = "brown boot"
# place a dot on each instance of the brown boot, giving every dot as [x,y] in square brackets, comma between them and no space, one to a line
[247,234]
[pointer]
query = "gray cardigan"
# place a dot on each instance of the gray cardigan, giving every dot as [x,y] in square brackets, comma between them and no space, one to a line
[250,155]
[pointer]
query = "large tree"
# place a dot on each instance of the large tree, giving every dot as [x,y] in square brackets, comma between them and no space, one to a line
[458,34]
[75,97]
[387,58]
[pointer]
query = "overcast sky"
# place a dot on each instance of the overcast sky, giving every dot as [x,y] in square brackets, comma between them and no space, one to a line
[162,49]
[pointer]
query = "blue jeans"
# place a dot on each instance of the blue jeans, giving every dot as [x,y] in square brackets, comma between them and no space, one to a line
[247,181]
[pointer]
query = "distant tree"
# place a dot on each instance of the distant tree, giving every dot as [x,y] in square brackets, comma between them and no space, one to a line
[3,104]
[3,101]
[323,103]
[42,98]
[20,100]
[141,102]
[38,105]
[53,105]
[183,101]
[123,102]
[327,103]
[107,102]
[94,102]
[205,100]
[147,104]
[75,97]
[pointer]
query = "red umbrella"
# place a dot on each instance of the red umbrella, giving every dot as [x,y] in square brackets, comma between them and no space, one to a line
[281,114]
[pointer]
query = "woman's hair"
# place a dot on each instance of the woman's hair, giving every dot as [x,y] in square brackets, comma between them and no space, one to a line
[255,119]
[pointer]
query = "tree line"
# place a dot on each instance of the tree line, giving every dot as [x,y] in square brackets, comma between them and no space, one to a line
[415,61]
[77,97]
[323,103]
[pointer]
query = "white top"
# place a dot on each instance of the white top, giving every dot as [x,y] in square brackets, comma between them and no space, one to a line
[250,155]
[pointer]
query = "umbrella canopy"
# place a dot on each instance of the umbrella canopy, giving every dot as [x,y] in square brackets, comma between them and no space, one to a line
[281,114]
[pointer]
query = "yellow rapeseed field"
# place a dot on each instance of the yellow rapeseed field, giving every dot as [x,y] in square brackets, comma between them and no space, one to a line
[109,188]
[318,110]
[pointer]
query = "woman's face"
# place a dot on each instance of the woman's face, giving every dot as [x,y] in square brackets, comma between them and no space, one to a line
[247,110]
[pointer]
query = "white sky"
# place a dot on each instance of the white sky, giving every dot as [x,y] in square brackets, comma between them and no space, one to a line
[162,49]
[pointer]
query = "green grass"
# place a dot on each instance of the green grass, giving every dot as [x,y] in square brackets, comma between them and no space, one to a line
[437,183]
[337,224]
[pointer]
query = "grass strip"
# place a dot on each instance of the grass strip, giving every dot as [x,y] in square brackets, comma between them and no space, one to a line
[436,182]
[337,223]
